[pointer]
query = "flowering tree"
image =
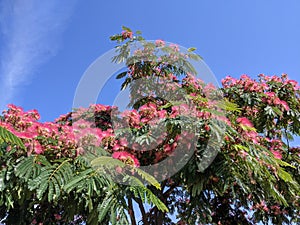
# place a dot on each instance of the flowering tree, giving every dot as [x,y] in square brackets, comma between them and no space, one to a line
[227,151]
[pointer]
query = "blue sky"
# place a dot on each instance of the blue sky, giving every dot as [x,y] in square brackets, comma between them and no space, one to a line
[46,46]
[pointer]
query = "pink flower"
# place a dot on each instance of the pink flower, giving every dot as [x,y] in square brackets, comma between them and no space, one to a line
[15,108]
[57,216]
[245,76]
[292,82]
[147,112]
[277,101]
[277,154]
[127,34]
[252,135]
[123,142]
[132,118]
[38,149]
[159,43]
[174,47]
[270,94]
[285,105]
[34,114]
[100,107]
[127,158]
[27,135]
[161,113]
[244,121]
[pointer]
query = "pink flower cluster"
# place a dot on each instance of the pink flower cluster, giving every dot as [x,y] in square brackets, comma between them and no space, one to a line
[283,81]
[251,85]
[246,82]
[70,134]
[275,146]
[160,43]
[39,137]
[127,34]
[272,99]
[127,158]
[245,122]
[262,206]
[248,130]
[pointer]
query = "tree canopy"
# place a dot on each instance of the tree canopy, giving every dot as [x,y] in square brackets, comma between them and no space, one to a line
[185,149]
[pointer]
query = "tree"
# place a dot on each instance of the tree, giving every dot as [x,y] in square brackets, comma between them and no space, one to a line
[227,150]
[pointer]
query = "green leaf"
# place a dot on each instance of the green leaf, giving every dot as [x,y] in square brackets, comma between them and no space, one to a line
[149,178]
[121,75]
[27,168]
[104,207]
[191,49]
[126,28]
[76,180]
[284,175]
[277,111]
[52,178]
[109,162]
[10,138]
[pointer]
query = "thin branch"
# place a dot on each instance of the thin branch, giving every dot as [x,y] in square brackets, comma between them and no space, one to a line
[288,143]
[142,209]
[131,211]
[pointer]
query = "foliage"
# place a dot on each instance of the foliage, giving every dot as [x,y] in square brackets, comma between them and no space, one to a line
[88,165]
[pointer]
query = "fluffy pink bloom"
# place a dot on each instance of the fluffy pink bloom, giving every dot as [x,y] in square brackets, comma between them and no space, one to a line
[167,148]
[127,34]
[277,154]
[162,114]
[244,121]
[15,108]
[38,149]
[127,158]
[26,135]
[285,105]
[293,83]
[270,94]
[34,114]
[100,107]
[160,43]
[252,135]
[132,118]
[175,47]
[147,112]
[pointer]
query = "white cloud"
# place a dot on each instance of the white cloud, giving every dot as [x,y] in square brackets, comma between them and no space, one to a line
[32,31]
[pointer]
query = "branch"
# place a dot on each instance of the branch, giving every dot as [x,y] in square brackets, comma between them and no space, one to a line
[142,209]
[288,143]
[131,212]
[169,191]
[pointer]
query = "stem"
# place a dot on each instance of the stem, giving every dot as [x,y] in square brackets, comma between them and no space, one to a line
[287,142]
[142,209]
[131,212]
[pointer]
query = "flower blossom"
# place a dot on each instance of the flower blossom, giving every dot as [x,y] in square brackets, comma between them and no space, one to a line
[127,158]
[244,121]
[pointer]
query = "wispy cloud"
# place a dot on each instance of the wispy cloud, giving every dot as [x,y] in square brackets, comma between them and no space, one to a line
[31,31]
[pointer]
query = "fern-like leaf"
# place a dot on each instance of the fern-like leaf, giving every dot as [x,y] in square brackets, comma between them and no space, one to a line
[109,162]
[27,168]
[10,138]
[51,178]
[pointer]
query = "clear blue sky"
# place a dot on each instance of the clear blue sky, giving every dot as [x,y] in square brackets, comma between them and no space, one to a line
[46,46]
